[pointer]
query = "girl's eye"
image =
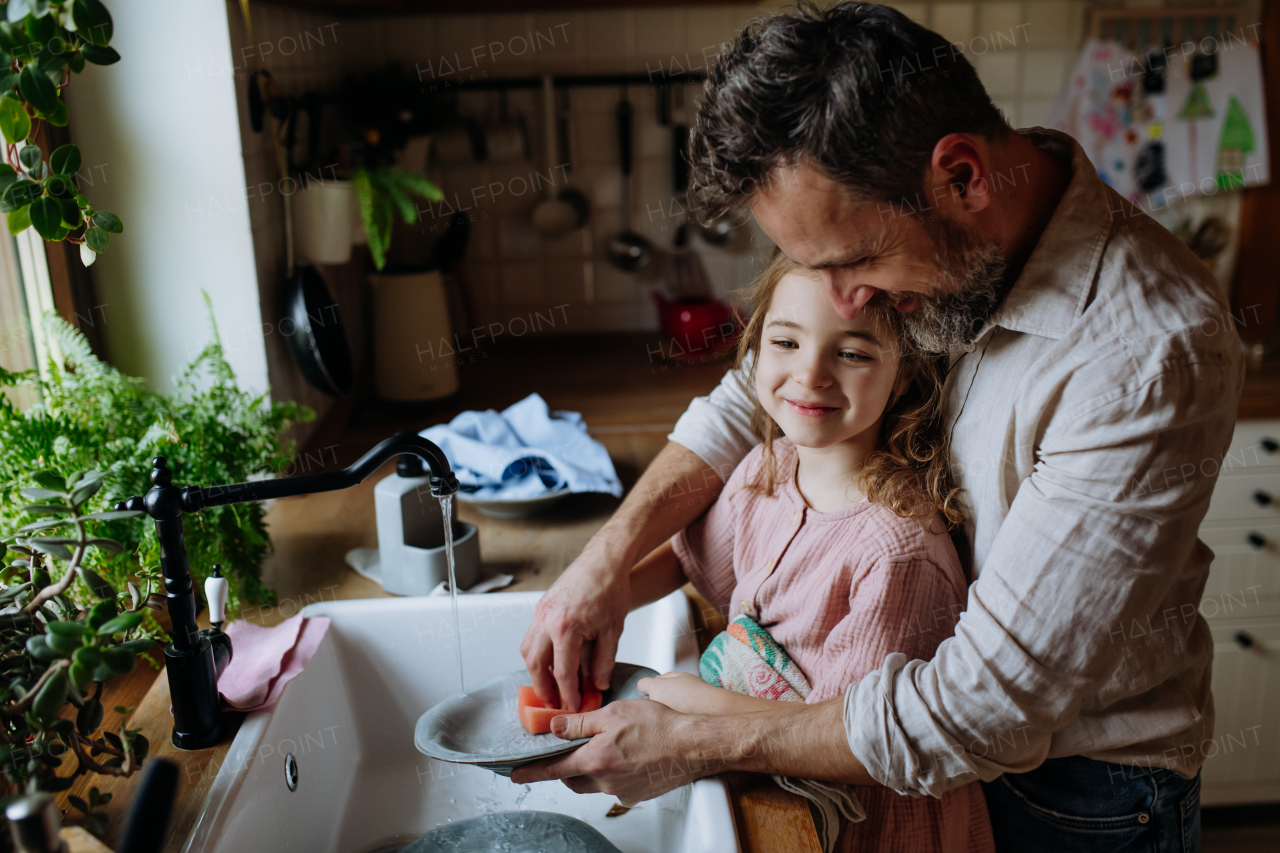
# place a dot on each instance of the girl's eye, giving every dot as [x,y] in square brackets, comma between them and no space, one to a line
[850,355]
[783,343]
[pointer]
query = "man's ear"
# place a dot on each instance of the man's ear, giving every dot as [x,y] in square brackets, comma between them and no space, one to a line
[959,172]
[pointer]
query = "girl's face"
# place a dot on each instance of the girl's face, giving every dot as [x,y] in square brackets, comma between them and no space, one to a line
[823,379]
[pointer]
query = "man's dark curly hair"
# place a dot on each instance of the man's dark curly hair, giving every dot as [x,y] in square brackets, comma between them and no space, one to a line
[859,91]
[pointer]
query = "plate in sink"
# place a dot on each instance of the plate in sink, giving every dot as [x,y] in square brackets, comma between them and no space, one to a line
[515,507]
[481,727]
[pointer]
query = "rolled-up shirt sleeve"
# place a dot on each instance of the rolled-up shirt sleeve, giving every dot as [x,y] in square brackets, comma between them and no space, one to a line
[718,427]
[1094,539]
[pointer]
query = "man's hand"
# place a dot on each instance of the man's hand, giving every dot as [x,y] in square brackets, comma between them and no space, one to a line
[638,750]
[575,627]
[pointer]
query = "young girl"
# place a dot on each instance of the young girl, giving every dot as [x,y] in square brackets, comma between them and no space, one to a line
[830,540]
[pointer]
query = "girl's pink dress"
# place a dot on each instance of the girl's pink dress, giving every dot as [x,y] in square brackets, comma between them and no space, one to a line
[839,592]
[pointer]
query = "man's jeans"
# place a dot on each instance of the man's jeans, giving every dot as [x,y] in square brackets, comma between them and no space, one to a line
[1079,805]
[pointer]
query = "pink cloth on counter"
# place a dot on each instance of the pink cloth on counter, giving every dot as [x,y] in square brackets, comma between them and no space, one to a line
[839,592]
[266,659]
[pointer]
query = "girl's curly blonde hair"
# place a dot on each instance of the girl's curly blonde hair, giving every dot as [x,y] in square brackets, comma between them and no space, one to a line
[908,472]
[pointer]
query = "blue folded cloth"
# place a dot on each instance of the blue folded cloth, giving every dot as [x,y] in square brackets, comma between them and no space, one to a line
[524,452]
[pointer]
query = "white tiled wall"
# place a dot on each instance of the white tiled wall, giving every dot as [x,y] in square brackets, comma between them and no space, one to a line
[1023,51]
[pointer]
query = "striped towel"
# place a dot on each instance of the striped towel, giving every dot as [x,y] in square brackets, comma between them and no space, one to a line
[745,659]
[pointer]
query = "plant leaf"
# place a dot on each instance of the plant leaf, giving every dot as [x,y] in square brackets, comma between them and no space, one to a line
[85,489]
[46,509]
[60,551]
[47,524]
[416,183]
[123,622]
[38,89]
[19,9]
[94,581]
[39,494]
[92,21]
[111,546]
[15,124]
[65,160]
[59,115]
[46,216]
[108,221]
[19,220]
[87,255]
[70,213]
[113,515]
[29,155]
[99,55]
[97,239]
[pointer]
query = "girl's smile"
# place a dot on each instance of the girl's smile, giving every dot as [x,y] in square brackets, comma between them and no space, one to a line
[810,410]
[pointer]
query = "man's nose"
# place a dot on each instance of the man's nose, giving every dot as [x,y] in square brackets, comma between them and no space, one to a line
[847,297]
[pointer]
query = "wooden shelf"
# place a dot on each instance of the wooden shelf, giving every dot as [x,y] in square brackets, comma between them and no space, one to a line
[372,8]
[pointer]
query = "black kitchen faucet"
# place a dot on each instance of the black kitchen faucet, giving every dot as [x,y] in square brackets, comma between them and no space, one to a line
[196,658]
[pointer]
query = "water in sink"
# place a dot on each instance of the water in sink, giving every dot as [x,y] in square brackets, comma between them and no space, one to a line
[349,720]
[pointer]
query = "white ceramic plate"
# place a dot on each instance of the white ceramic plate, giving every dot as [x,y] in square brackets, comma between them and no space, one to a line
[481,727]
[515,507]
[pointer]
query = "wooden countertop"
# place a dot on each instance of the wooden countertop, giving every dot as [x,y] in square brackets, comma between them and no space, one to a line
[630,400]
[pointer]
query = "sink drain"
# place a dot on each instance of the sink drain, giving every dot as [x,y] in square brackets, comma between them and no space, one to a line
[291,772]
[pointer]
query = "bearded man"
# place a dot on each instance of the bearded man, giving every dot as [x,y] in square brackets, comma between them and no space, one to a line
[1092,391]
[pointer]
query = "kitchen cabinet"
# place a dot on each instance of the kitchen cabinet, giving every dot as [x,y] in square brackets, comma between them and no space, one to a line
[1242,605]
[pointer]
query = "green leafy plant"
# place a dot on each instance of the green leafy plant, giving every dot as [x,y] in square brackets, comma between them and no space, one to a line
[92,416]
[383,191]
[55,651]
[43,43]
[383,110]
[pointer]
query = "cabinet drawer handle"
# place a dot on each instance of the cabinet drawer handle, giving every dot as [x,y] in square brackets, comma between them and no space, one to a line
[1257,540]
[1243,639]
[1262,498]
[1270,445]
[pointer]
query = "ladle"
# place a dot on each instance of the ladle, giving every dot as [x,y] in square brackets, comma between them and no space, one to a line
[628,251]
[553,217]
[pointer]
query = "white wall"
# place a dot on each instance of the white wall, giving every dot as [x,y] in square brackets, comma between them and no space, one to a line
[161,144]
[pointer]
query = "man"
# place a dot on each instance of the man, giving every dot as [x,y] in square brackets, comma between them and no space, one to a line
[1092,393]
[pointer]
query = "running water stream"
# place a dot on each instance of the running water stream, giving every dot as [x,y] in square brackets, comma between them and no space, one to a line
[446,509]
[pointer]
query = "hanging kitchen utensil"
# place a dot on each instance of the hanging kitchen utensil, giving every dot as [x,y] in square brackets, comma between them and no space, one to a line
[553,217]
[318,338]
[572,195]
[506,140]
[628,251]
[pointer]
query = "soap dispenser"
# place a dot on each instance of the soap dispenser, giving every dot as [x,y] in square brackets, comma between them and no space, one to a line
[411,534]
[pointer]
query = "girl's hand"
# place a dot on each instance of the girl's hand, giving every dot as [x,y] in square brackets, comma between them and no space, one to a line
[689,694]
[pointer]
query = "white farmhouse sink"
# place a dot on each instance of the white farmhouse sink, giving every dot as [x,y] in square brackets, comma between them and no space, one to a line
[348,723]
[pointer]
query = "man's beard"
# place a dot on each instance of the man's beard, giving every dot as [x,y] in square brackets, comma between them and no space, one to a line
[971,286]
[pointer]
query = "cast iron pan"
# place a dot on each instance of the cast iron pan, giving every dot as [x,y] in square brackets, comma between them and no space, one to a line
[319,340]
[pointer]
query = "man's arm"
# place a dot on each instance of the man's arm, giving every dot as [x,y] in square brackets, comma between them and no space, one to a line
[578,622]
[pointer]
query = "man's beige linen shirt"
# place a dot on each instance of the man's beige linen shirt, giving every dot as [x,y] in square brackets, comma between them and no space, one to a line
[1088,421]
